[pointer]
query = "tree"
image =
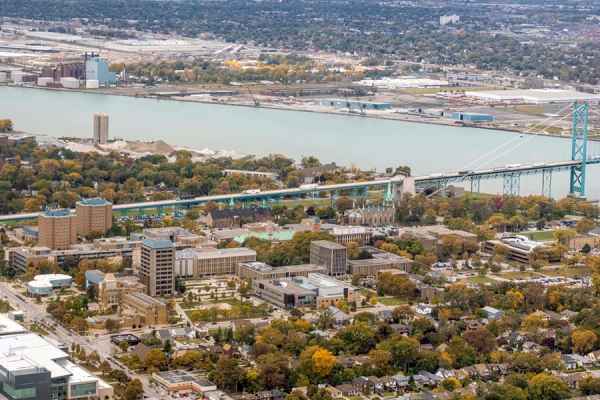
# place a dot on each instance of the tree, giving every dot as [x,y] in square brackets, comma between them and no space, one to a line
[380,362]
[585,225]
[589,386]
[323,362]
[227,373]
[342,204]
[325,320]
[119,376]
[358,336]
[481,339]
[134,390]
[395,285]
[155,361]
[562,236]
[402,313]
[111,325]
[123,345]
[547,387]
[452,245]
[94,357]
[583,341]
[404,350]
[450,384]
[352,250]
[506,391]
[104,367]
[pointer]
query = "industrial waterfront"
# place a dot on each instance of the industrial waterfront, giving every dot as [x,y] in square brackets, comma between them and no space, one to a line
[344,139]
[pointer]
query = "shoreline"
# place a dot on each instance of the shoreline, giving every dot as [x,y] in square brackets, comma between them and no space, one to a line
[271,105]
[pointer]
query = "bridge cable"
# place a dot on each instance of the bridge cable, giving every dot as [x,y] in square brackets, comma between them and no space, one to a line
[463,177]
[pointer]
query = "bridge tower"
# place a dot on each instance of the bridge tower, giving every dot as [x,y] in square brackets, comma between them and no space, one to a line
[579,149]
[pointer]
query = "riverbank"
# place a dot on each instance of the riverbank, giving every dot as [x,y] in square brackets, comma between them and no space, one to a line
[503,120]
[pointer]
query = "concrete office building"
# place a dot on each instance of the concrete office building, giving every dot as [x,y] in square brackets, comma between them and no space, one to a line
[331,255]
[209,261]
[157,266]
[347,234]
[93,215]
[100,128]
[57,229]
[180,382]
[97,69]
[181,238]
[446,19]
[261,271]
[32,367]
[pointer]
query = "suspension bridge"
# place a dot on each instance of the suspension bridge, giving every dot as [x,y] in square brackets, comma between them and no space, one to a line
[583,153]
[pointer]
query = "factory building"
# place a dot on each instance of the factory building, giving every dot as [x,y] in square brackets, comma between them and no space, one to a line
[97,69]
[354,104]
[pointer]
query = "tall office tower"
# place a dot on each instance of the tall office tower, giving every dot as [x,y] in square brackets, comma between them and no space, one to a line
[57,229]
[157,266]
[93,215]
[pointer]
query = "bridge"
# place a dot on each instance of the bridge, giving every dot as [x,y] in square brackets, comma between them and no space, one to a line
[392,188]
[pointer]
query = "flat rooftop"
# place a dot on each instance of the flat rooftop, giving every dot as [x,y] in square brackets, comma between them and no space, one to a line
[539,95]
[328,245]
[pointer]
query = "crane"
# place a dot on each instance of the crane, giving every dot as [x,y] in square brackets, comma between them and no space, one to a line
[362,110]
[350,109]
[256,103]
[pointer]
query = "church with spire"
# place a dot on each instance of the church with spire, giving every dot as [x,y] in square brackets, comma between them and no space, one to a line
[368,215]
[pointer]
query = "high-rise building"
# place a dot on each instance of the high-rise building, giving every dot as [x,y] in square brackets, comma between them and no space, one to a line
[331,255]
[93,215]
[446,19]
[57,229]
[97,69]
[100,128]
[157,266]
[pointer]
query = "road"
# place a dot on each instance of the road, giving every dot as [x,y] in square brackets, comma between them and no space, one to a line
[102,344]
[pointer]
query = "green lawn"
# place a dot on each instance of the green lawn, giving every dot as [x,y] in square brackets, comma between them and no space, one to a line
[480,279]
[36,329]
[515,275]
[366,292]
[541,235]
[394,301]
[573,271]
[5,309]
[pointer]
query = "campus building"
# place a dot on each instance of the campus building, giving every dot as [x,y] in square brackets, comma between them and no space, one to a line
[44,284]
[381,261]
[369,216]
[347,234]
[57,229]
[93,215]
[157,266]
[261,271]
[153,311]
[113,249]
[236,217]
[32,367]
[331,255]
[316,290]
[431,236]
[209,261]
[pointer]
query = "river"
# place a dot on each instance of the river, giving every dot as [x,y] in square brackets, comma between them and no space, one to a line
[344,139]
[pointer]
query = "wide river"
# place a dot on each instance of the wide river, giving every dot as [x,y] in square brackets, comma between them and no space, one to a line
[367,142]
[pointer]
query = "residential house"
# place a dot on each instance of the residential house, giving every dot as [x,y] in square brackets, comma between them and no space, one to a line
[190,333]
[423,309]
[444,373]
[215,349]
[178,333]
[341,318]
[420,380]
[472,324]
[514,336]
[345,361]
[531,347]
[334,392]
[582,361]
[359,360]
[572,380]
[377,384]
[385,315]
[244,350]
[442,347]
[163,334]
[201,328]
[402,329]
[569,362]
[360,383]
[238,322]
[426,347]
[484,373]
[401,380]
[594,356]
[348,390]
[433,379]
[277,394]
[230,351]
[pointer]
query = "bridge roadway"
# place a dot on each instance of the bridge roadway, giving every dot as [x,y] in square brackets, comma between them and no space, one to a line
[436,179]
